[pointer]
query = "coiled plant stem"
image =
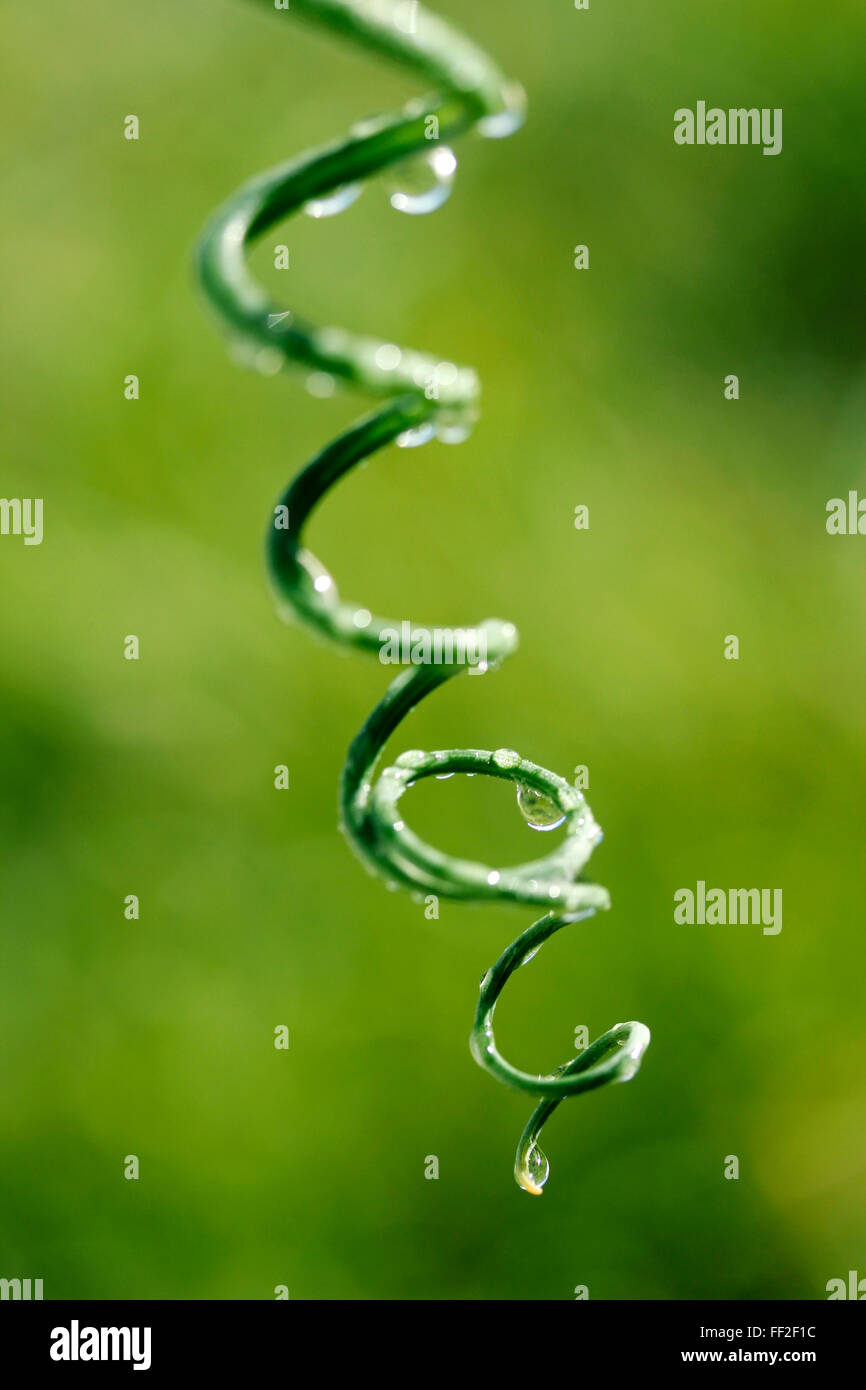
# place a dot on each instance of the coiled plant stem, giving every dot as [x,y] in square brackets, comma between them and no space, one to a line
[422,394]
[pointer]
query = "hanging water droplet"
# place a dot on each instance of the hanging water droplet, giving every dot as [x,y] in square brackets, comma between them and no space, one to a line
[335,202]
[535,1170]
[423,183]
[455,425]
[499,124]
[539,812]
[420,434]
[627,1068]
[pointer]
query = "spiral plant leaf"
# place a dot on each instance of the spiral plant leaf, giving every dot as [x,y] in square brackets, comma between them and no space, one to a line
[424,397]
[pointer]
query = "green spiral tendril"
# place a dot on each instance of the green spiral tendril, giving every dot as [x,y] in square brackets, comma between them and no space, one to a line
[422,393]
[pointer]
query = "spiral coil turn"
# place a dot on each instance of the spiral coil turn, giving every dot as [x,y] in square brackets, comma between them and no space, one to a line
[424,397]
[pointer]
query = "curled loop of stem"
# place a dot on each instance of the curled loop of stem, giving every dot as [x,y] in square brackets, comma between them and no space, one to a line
[420,393]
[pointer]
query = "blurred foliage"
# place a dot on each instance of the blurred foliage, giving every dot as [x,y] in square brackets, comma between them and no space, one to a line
[602,387]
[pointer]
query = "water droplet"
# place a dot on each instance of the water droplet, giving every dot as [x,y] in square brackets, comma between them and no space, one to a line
[423,183]
[335,202]
[535,1170]
[493,877]
[539,812]
[506,757]
[269,361]
[446,374]
[421,434]
[362,617]
[413,757]
[455,425]
[388,357]
[499,124]
[331,342]
[320,384]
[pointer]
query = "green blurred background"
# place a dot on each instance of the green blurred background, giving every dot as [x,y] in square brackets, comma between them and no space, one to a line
[602,387]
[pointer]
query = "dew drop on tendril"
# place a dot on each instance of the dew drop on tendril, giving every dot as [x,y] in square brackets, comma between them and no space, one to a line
[502,123]
[423,183]
[420,434]
[333,203]
[539,812]
[536,1170]
[320,384]
[413,757]
[454,426]
[506,757]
